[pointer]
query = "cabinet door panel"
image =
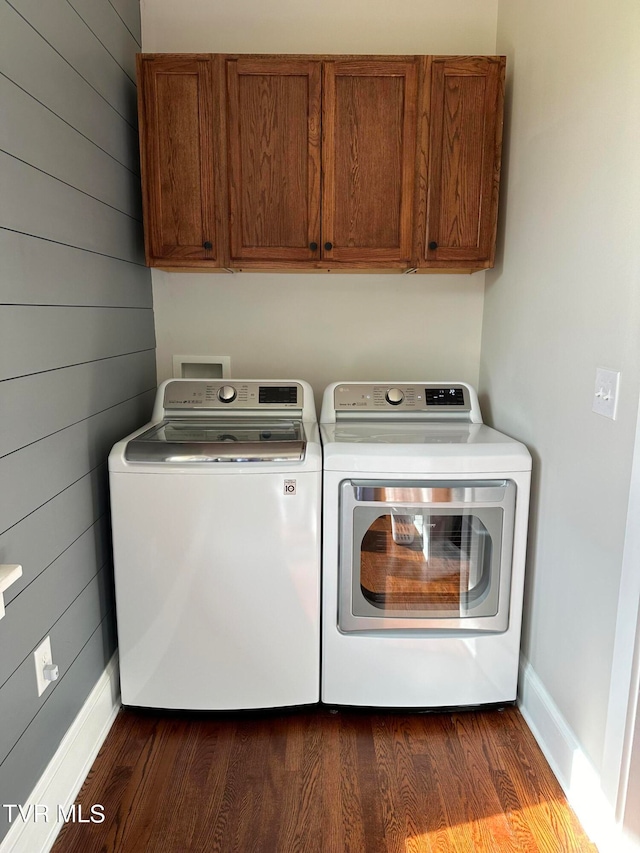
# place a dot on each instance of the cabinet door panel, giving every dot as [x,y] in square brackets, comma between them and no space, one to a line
[274,158]
[369,125]
[178,101]
[464,144]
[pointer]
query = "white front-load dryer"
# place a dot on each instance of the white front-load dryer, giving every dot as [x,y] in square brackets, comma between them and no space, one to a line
[216,533]
[424,535]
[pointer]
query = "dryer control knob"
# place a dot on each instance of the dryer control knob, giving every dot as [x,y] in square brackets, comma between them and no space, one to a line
[227,394]
[394,396]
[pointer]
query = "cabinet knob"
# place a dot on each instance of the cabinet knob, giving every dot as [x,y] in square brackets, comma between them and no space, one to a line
[433,245]
[313,247]
[207,244]
[328,246]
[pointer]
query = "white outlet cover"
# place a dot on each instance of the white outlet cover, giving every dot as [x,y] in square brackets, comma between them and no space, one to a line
[41,657]
[605,393]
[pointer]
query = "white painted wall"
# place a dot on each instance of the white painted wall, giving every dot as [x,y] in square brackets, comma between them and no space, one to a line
[566,299]
[322,327]
[309,26]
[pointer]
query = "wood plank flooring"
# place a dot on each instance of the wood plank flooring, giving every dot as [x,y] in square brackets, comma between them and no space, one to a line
[319,782]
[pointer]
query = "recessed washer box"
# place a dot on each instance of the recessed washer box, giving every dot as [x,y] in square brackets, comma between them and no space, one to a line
[201,366]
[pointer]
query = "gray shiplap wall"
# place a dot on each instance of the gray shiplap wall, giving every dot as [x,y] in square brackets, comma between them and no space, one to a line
[77,365]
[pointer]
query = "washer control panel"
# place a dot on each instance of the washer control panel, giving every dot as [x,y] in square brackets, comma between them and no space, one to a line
[423,397]
[183,394]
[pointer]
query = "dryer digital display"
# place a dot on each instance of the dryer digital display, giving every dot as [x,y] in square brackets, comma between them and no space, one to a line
[444,396]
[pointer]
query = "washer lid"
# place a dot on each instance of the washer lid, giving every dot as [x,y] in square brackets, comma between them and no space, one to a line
[220,440]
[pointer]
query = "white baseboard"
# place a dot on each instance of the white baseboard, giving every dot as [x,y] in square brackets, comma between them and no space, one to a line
[578,778]
[67,770]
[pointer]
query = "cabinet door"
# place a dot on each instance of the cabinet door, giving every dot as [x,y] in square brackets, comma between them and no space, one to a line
[459,168]
[274,160]
[368,160]
[179,105]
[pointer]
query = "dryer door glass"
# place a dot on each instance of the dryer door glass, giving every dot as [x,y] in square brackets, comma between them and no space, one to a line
[425,555]
[419,560]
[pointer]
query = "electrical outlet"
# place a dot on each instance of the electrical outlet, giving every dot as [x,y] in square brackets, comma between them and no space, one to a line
[605,394]
[42,658]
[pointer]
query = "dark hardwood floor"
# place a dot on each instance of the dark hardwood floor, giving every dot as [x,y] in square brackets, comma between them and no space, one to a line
[307,781]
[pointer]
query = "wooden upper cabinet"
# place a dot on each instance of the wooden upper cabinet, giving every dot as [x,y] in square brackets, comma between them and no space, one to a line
[181,159]
[306,197]
[368,161]
[459,161]
[273,131]
[320,162]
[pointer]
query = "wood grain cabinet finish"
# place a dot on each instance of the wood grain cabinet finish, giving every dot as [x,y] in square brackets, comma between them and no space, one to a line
[320,162]
[368,161]
[273,108]
[458,170]
[181,153]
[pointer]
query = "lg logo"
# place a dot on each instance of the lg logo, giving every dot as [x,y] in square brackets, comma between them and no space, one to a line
[289,487]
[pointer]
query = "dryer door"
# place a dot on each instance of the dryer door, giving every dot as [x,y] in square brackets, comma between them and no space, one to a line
[428,555]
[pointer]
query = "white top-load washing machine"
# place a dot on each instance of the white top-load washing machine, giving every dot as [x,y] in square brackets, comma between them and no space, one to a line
[216,532]
[425,525]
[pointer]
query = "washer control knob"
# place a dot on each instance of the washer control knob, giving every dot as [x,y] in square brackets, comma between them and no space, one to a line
[394,396]
[227,394]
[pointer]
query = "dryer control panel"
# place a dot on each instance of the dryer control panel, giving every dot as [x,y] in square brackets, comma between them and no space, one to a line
[421,397]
